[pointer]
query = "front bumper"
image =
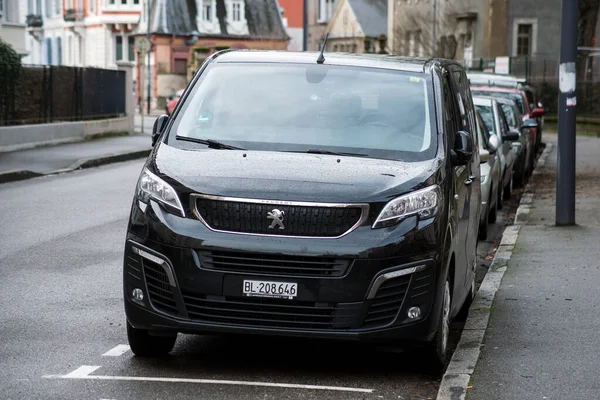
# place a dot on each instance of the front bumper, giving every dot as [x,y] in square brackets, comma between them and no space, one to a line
[377,275]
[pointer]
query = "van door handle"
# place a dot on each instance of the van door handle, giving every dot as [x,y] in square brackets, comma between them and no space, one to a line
[470,180]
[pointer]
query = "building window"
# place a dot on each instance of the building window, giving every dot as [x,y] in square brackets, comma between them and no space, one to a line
[524,38]
[1,7]
[111,2]
[57,7]
[124,2]
[236,11]
[92,6]
[119,48]
[325,10]
[49,51]
[207,10]
[180,66]
[58,51]
[131,48]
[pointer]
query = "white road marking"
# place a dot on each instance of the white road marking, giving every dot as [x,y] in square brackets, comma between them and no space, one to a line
[117,351]
[84,371]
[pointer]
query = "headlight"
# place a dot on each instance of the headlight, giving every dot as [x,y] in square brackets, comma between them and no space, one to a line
[423,203]
[151,186]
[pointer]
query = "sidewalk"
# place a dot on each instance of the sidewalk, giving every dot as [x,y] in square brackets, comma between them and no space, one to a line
[39,161]
[542,338]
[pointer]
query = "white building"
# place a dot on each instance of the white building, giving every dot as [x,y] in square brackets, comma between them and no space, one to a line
[91,33]
[12,24]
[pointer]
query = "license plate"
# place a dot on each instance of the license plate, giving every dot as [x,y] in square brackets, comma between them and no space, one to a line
[278,290]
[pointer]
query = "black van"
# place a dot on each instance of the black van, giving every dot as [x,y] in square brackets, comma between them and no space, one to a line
[293,195]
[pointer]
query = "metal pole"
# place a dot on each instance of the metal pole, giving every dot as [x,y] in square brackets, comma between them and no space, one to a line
[565,173]
[149,52]
[434,34]
[305,26]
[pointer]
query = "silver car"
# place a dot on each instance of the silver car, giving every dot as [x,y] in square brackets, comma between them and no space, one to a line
[495,121]
[491,176]
[524,147]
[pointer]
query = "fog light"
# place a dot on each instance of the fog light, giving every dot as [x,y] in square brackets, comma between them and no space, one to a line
[414,312]
[137,294]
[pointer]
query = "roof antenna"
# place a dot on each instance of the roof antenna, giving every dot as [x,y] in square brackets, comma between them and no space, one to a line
[321,58]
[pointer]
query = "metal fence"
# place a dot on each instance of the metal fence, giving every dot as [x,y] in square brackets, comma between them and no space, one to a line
[35,94]
[543,74]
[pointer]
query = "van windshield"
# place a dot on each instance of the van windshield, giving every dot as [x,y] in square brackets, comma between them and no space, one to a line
[298,107]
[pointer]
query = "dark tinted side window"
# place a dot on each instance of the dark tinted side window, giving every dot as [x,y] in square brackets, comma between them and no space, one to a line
[483,132]
[465,100]
[504,127]
[449,107]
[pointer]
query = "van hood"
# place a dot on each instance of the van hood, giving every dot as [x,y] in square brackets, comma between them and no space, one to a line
[288,176]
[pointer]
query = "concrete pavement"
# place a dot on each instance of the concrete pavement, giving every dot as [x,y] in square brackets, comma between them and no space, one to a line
[39,161]
[542,337]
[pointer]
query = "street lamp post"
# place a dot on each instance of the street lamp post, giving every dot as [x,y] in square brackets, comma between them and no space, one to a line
[305,25]
[565,173]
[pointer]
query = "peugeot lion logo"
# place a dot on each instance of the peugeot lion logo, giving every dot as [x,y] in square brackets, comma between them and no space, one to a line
[277,217]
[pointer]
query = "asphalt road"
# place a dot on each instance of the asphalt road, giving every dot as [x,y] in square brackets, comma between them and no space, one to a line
[62,319]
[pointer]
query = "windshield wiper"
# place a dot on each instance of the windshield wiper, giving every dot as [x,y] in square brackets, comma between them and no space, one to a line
[212,144]
[334,153]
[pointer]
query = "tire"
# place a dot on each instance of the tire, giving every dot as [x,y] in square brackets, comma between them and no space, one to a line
[508,189]
[145,345]
[436,350]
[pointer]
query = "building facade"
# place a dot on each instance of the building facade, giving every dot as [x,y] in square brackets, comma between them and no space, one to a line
[358,26]
[319,15]
[184,33]
[292,13]
[457,29]
[12,25]
[91,33]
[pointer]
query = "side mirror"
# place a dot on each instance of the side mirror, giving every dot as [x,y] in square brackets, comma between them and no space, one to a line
[529,124]
[159,126]
[511,136]
[537,112]
[494,144]
[463,148]
[484,156]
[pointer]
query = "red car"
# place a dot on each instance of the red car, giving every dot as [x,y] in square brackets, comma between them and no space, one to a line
[173,102]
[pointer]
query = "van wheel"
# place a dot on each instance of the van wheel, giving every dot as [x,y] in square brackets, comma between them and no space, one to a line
[436,350]
[145,345]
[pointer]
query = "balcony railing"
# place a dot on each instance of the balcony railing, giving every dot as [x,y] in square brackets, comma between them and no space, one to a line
[34,21]
[73,15]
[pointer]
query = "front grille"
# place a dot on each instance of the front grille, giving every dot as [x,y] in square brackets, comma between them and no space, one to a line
[311,221]
[387,302]
[272,264]
[159,291]
[260,312]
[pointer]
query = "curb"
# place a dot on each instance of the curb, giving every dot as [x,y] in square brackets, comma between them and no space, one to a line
[457,377]
[19,175]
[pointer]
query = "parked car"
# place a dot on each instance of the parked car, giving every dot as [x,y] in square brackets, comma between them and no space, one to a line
[172,102]
[495,121]
[520,92]
[524,148]
[491,176]
[346,206]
